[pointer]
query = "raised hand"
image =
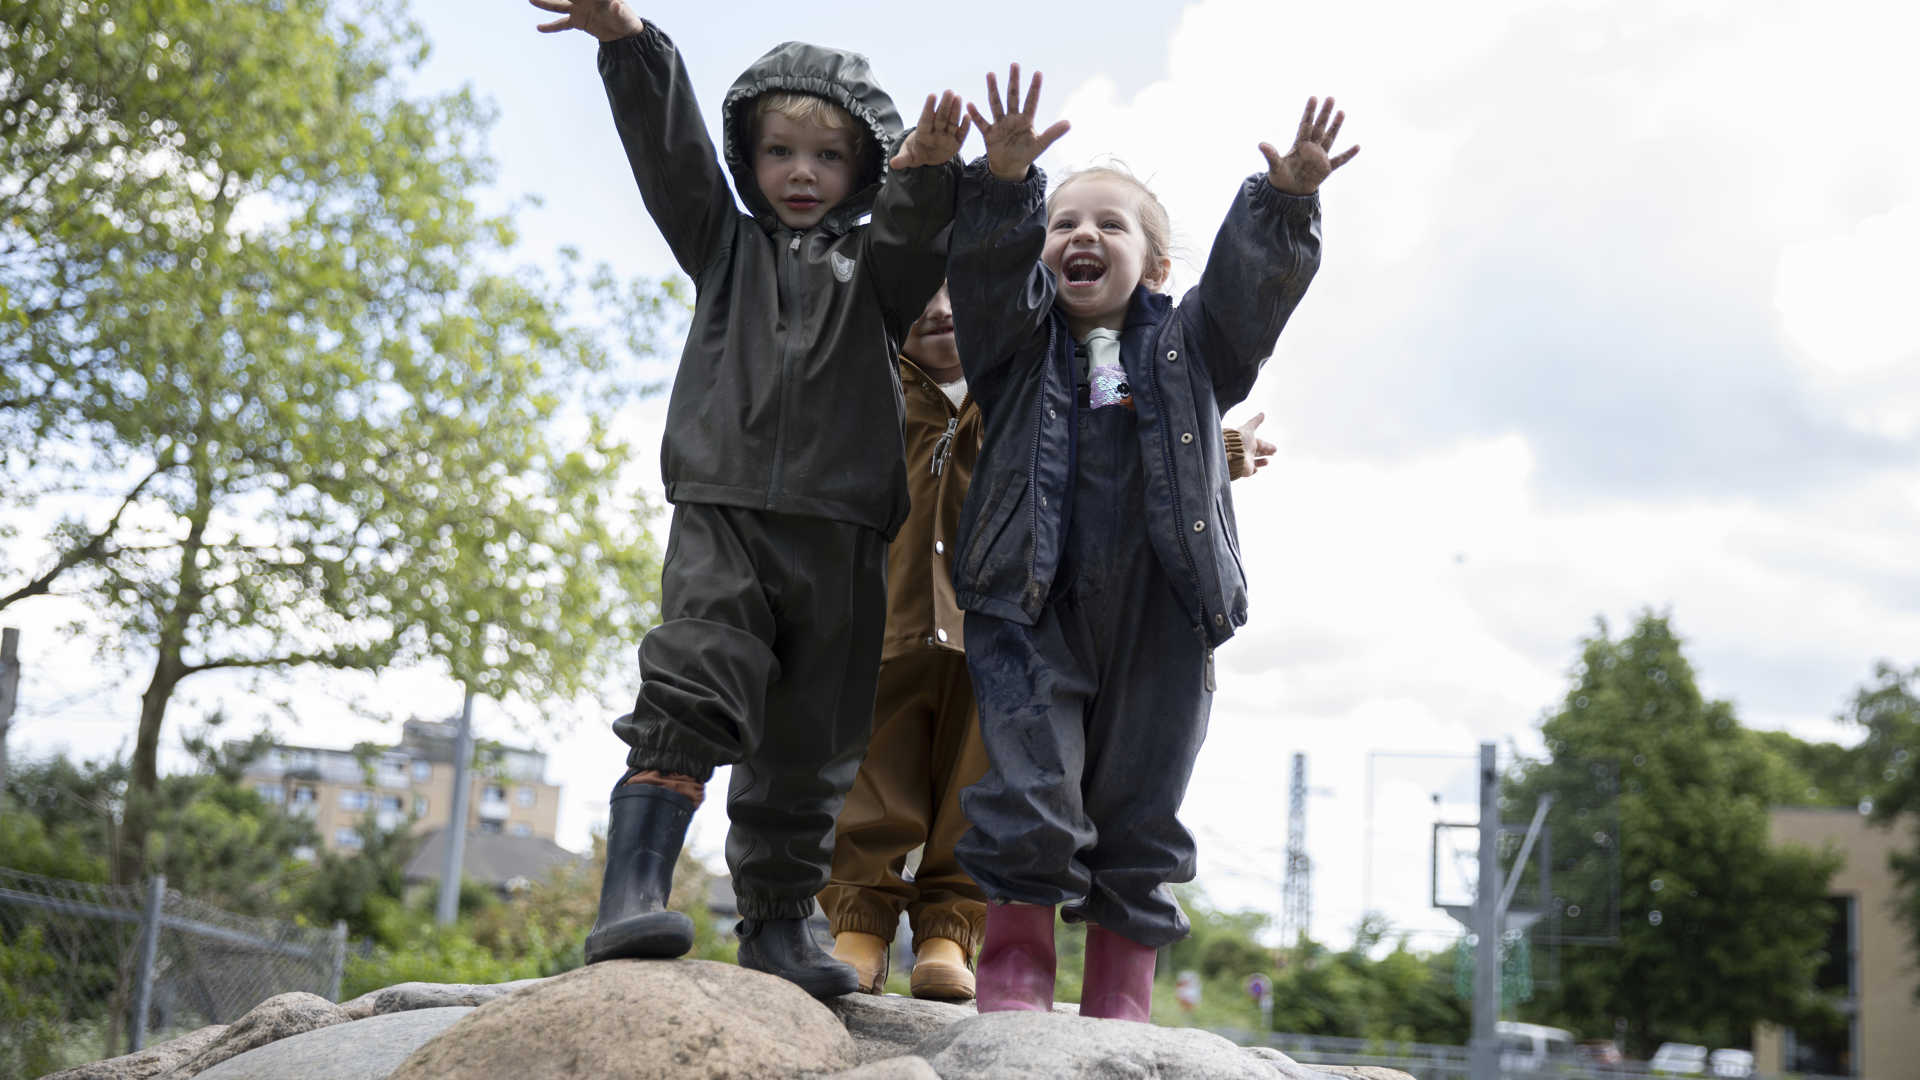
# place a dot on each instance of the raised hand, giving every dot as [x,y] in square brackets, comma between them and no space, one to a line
[1012,144]
[607,20]
[1258,450]
[937,137]
[1307,165]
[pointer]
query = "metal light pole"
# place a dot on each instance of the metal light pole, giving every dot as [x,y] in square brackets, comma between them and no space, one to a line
[449,906]
[1484,1048]
[9,692]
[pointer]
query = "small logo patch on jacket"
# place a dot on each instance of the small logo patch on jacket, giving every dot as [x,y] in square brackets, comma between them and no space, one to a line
[842,266]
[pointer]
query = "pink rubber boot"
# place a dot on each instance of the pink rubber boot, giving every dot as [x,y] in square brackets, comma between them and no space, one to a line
[1015,968]
[1118,983]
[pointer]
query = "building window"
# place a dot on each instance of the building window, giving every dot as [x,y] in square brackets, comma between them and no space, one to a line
[419,806]
[422,771]
[273,794]
[346,837]
[520,828]
[392,804]
[492,827]
[494,793]
[525,796]
[353,799]
[305,796]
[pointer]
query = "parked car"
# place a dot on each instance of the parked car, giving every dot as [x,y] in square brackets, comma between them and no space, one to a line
[1678,1059]
[1601,1052]
[1526,1048]
[1734,1064]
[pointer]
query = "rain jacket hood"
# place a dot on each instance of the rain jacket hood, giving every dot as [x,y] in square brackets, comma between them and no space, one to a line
[843,78]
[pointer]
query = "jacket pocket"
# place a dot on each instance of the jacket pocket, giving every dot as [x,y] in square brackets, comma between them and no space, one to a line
[1226,535]
[988,530]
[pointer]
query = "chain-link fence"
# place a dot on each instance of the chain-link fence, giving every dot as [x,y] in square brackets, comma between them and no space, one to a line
[104,969]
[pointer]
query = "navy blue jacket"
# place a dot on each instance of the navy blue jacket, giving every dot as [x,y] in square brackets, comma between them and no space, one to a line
[1187,363]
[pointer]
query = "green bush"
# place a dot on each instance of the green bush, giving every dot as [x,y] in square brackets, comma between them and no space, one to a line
[29,1013]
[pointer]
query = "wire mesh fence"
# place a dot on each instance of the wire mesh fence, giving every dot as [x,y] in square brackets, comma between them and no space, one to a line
[96,970]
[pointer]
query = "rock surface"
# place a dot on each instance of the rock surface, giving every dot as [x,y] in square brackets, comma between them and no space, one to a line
[150,1062]
[634,1019]
[276,1018]
[1037,1046]
[886,1027]
[906,1067]
[369,1049]
[683,1018]
[405,997]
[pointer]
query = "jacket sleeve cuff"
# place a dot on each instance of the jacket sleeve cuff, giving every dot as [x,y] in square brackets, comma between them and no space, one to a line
[1005,195]
[1269,200]
[1239,467]
[634,48]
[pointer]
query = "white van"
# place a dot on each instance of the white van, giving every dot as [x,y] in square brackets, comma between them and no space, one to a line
[1528,1048]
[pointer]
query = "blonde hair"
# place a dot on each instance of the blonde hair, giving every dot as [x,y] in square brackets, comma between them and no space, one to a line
[1155,224]
[813,109]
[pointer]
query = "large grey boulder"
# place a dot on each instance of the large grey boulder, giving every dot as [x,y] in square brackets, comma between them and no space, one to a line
[635,1019]
[1038,1046]
[367,1049]
[907,1067]
[885,1027]
[405,997]
[148,1063]
[276,1018]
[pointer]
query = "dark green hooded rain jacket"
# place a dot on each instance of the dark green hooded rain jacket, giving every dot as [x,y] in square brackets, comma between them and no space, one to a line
[787,398]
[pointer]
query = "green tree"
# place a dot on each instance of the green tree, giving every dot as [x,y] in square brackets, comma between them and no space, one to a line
[1888,708]
[256,324]
[29,1009]
[1717,929]
[1834,775]
[214,837]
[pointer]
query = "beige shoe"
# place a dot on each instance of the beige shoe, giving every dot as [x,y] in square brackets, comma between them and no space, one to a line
[940,971]
[867,955]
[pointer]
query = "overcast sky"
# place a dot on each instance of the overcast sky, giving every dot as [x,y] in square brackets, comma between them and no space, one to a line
[1616,312]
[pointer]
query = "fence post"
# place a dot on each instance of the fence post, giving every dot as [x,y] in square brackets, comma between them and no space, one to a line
[339,959]
[149,949]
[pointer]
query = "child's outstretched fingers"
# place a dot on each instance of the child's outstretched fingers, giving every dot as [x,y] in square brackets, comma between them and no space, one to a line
[1012,143]
[1307,165]
[938,136]
[607,20]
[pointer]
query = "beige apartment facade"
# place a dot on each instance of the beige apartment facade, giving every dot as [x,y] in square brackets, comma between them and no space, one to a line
[1870,959]
[410,782]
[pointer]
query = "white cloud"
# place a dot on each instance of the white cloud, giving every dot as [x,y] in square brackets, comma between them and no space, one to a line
[1613,314]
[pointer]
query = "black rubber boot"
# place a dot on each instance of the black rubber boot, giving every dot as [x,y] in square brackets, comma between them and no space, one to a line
[645,827]
[785,947]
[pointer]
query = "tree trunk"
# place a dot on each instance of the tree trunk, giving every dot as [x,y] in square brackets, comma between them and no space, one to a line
[144,785]
[169,667]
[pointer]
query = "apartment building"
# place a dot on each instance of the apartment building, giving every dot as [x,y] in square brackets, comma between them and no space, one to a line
[413,781]
[1870,966]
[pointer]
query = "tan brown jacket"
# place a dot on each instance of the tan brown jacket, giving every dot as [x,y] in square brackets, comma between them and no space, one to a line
[942,444]
[921,610]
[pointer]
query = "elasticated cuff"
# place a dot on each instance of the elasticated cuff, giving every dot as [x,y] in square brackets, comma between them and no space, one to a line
[667,759]
[1006,195]
[1296,209]
[862,917]
[1239,462]
[954,925]
[769,908]
[1155,932]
